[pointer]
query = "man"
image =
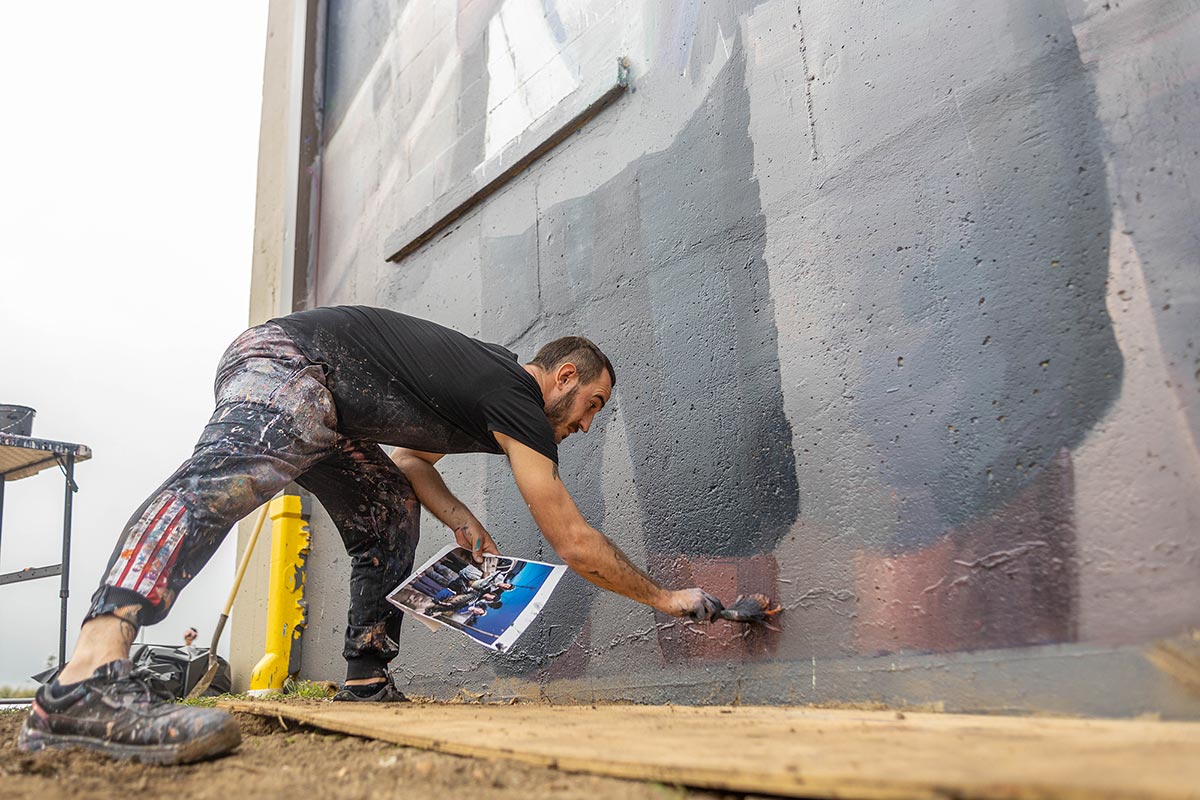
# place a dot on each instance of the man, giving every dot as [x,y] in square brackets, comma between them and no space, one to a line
[189,637]
[309,398]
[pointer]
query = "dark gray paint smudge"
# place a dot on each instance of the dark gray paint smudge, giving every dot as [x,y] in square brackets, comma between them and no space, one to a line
[966,415]
[711,445]
[663,267]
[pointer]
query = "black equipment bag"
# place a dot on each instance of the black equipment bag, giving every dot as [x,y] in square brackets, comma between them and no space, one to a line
[178,669]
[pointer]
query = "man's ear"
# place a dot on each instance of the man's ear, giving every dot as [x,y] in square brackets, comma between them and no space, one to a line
[564,374]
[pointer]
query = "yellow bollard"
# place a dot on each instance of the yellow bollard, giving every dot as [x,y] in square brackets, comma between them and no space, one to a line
[286,609]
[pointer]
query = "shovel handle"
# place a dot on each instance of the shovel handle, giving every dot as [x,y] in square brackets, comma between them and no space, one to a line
[241,570]
[202,685]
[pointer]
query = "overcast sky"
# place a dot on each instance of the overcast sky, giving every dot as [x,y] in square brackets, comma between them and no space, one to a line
[129,143]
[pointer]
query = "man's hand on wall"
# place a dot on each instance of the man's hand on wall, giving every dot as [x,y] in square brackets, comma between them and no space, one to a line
[695,604]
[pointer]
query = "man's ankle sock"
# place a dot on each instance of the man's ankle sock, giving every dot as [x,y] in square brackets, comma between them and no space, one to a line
[57,690]
[366,668]
[365,689]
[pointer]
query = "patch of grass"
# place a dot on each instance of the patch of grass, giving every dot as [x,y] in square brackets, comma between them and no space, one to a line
[308,690]
[209,702]
[18,691]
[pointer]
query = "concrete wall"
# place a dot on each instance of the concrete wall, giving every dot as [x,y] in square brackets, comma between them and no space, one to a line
[270,293]
[902,299]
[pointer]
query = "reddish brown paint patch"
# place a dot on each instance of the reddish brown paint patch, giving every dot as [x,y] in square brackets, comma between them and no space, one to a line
[726,578]
[1005,581]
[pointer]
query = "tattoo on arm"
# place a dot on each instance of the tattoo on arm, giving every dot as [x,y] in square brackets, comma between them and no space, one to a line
[619,554]
[623,562]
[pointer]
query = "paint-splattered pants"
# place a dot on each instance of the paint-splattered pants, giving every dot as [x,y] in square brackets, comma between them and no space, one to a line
[275,423]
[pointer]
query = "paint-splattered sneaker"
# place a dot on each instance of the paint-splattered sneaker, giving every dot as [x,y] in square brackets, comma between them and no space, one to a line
[385,692]
[119,712]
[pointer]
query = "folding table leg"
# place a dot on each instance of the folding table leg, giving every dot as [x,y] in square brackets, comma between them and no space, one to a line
[64,587]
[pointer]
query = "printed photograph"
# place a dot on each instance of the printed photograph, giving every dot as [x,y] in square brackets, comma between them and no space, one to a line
[492,603]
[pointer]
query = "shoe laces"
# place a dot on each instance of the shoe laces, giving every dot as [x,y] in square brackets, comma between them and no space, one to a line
[140,686]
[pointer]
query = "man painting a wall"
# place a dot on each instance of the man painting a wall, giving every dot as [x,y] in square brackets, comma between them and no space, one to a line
[310,398]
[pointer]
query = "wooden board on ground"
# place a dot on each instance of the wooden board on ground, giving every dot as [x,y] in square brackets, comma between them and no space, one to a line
[800,752]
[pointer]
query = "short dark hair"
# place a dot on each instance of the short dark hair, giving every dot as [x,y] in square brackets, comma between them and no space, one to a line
[588,359]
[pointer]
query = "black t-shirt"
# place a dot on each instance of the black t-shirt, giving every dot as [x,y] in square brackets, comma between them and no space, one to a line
[409,382]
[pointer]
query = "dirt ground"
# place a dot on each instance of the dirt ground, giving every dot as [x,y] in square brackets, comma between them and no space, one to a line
[304,763]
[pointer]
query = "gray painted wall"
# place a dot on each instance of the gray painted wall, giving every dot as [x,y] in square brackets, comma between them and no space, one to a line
[903,302]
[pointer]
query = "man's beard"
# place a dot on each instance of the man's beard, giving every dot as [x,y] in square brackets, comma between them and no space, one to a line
[558,411]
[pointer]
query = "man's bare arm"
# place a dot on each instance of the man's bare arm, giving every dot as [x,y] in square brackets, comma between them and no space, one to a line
[435,495]
[585,549]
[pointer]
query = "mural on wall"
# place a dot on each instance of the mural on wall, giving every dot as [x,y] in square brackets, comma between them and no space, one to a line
[977,458]
[974,355]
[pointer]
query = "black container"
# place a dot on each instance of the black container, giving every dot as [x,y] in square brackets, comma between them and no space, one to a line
[16,420]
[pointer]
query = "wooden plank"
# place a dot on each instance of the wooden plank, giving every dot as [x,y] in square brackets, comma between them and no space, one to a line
[797,752]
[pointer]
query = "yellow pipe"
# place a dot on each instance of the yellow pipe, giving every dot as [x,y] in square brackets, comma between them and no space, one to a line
[286,609]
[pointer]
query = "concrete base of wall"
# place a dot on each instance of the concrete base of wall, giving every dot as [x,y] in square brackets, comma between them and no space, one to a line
[1064,679]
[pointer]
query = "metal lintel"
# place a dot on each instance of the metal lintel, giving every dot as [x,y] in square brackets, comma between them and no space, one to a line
[30,574]
[495,184]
